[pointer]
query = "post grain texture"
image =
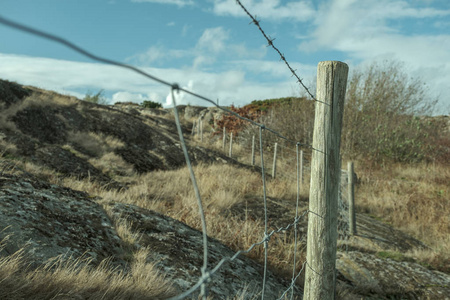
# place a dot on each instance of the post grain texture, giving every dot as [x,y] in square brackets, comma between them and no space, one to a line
[325,177]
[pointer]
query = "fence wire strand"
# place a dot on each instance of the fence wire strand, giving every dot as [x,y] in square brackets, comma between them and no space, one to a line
[204,292]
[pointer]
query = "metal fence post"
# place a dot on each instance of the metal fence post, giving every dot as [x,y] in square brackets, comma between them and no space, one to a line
[351,199]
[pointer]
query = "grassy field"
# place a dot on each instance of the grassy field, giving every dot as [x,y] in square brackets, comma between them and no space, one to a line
[412,198]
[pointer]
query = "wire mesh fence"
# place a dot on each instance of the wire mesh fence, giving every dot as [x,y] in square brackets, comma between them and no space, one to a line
[257,150]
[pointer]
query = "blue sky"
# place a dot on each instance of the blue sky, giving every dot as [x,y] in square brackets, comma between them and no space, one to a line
[209,47]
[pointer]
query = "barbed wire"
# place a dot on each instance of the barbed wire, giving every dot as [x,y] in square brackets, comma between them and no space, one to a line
[282,56]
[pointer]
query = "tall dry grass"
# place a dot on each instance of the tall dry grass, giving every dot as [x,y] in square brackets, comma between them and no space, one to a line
[221,187]
[76,279]
[414,199]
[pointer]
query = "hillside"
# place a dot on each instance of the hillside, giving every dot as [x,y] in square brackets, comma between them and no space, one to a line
[90,182]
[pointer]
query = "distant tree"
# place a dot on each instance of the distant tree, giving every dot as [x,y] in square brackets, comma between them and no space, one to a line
[97,98]
[151,104]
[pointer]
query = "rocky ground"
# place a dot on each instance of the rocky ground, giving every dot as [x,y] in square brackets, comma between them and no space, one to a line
[48,220]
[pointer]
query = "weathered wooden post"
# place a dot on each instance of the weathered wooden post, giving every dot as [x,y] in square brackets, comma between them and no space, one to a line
[253,150]
[320,277]
[351,199]
[274,168]
[231,144]
[198,123]
[201,130]
[193,128]
[301,167]
[224,138]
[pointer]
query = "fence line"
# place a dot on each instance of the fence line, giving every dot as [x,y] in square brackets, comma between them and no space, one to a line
[175,88]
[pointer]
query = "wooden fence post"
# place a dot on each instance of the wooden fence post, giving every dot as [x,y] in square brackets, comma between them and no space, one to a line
[320,277]
[351,199]
[201,130]
[301,167]
[193,128]
[231,144]
[224,138]
[274,168]
[253,150]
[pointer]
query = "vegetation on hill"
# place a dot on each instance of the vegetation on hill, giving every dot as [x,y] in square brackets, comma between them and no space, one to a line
[97,98]
[402,153]
[401,160]
[151,104]
[385,118]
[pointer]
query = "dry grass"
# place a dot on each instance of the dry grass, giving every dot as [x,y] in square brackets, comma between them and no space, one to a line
[75,279]
[414,199]
[37,98]
[7,148]
[112,164]
[221,186]
[94,144]
[45,98]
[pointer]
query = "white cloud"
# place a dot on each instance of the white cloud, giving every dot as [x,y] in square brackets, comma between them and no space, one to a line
[267,9]
[214,43]
[72,77]
[364,32]
[180,97]
[201,60]
[213,40]
[364,20]
[275,69]
[157,55]
[185,30]
[128,97]
[179,3]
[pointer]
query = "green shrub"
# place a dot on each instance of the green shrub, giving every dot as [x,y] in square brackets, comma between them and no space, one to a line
[151,104]
[383,116]
[97,98]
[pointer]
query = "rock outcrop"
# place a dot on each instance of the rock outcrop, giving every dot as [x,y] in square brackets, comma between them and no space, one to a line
[49,221]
